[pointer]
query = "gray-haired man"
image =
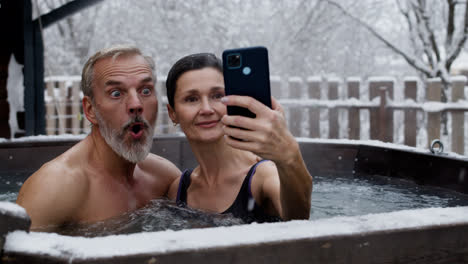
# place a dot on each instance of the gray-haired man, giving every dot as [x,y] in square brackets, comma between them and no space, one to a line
[99,178]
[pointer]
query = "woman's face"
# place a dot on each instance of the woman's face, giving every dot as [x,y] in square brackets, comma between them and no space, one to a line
[198,106]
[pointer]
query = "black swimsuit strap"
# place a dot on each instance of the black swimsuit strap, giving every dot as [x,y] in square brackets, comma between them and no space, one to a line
[244,199]
[184,183]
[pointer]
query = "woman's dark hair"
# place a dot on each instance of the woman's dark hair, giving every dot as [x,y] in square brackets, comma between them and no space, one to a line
[188,63]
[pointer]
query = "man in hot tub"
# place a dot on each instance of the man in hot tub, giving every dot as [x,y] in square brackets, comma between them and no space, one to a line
[99,178]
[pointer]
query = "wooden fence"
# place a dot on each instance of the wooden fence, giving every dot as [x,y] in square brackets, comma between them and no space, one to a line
[316,108]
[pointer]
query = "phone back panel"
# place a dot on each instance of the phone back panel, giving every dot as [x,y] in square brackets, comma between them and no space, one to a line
[251,77]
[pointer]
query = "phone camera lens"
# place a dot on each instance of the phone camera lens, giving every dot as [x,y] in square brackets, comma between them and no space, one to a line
[234,60]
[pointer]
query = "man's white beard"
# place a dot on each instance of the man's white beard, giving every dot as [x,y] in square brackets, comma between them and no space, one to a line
[136,150]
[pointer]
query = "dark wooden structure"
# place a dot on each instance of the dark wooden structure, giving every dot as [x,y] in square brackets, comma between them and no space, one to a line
[22,36]
[11,28]
[442,243]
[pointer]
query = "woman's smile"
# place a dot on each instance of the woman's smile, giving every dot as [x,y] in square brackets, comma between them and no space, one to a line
[207,124]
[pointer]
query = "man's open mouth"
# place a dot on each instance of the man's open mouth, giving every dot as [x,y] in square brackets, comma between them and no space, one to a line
[136,130]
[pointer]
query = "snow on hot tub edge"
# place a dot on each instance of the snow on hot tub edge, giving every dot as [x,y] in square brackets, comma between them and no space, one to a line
[192,239]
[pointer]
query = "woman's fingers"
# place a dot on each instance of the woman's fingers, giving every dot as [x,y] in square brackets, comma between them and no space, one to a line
[248,102]
[243,134]
[264,115]
[275,105]
[266,135]
[241,122]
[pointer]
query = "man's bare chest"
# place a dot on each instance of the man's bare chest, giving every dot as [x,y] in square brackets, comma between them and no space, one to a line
[109,200]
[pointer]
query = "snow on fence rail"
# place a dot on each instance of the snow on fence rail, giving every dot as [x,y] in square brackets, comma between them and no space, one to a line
[316,108]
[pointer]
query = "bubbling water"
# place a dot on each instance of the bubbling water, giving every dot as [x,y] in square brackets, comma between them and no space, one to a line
[158,215]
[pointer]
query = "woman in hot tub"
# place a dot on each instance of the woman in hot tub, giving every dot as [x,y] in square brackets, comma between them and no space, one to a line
[261,178]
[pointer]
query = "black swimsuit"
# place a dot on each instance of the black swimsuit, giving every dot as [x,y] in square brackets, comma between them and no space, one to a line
[241,205]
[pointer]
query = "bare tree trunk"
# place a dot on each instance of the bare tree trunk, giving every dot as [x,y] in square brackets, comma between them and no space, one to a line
[446,86]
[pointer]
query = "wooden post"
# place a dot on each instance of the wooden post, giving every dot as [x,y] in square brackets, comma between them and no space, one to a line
[164,124]
[313,87]
[433,94]
[458,117]
[275,83]
[295,113]
[162,108]
[68,108]
[278,93]
[382,113]
[353,112]
[333,124]
[33,74]
[76,103]
[50,109]
[411,89]
[375,85]
[61,107]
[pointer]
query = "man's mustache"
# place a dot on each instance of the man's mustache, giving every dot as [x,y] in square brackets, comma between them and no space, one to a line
[137,119]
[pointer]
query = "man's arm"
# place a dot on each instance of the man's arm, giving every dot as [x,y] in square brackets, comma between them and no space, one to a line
[268,136]
[51,196]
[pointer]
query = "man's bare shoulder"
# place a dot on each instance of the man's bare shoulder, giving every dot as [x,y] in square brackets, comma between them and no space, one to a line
[54,192]
[173,188]
[159,173]
[159,166]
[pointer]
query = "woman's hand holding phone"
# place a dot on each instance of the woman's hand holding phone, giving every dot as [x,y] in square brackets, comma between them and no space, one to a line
[266,135]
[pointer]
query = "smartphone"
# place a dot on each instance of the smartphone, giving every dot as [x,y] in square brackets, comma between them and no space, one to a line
[246,72]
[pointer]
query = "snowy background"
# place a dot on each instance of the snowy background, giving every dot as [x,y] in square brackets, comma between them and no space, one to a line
[306,39]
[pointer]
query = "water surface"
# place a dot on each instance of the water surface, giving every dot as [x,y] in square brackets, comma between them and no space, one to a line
[332,196]
[350,196]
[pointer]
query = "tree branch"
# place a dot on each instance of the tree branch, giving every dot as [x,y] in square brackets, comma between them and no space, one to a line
[308,20]
[411,61]
[420,33]
[450,24]
[425,17]
[461,43]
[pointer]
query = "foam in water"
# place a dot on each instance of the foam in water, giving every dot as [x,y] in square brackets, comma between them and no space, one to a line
[158,215]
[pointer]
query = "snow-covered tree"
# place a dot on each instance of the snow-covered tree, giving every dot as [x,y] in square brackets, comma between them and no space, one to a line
[304,37]
[436,29]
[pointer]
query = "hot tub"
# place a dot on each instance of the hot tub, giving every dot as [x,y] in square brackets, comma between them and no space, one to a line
[430,235]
